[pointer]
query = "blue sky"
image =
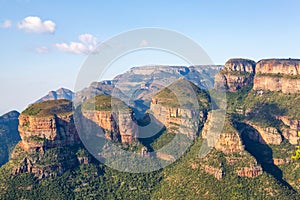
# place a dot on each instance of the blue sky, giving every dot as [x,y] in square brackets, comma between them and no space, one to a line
[36,55]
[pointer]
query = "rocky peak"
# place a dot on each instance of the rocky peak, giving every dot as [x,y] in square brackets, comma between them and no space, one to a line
[61,93]
[47,129]
[237,74]
[240,65]
[46,125]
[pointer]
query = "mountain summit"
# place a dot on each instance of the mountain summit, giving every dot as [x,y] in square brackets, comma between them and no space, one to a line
[61,93]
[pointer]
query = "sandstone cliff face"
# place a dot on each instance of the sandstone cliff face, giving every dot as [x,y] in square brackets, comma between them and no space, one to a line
[230,143]
[278,66]
[268,135]
[278,75]
[38,133]
[177,119]
[121,125]
[277,84]
[236,74]
[251,172]
[181,107]
[47,140]
[290,133]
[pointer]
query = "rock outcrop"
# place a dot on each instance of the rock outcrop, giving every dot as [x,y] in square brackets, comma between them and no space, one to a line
[48,132]
[236,74]
[269,74]
[291,131]
[120,126]
[278,66]
[173,118]
[267,135]
[278,75]
[240,65]
[39,133]
[277,84]
[180,107]
[281,161]
[113,116]
[251,172]
[218,173]
[230,144]
[228,141]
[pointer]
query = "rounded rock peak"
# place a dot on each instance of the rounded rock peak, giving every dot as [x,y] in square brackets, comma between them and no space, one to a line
[240,65]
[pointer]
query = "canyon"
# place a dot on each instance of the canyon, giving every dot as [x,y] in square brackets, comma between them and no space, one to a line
[177,100]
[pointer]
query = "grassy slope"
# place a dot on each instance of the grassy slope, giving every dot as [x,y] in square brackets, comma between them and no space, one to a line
[49,108]
[104,103]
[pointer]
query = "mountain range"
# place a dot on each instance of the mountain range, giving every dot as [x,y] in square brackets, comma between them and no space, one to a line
[45,156]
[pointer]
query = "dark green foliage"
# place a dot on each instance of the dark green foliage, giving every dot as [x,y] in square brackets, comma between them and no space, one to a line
[49,108]
[182,181]
[91,181]
[104,103]
[184,94]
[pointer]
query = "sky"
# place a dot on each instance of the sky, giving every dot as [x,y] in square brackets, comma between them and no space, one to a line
[45,43]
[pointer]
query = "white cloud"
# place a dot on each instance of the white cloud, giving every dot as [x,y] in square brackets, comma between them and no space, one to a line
[6,24]
[42,50]
[36,25]
[87,44]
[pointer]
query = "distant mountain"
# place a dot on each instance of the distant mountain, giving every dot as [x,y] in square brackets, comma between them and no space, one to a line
[96,88]
[9,135]
[138,85]
[61,93]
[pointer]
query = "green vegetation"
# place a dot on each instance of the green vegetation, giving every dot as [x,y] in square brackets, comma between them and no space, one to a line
[164,139]
[184,94]
[279,75]
[297,152]
[186,180]
[91,181]
[104,103]
[183,179]
[263,108]
[287,104]
[236,73]
[49,108]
